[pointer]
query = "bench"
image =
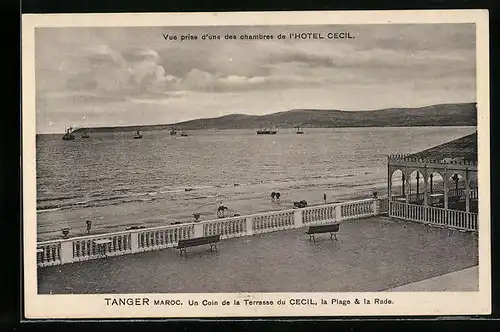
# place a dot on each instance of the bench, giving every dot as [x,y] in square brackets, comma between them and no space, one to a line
[198,241]
[330,228]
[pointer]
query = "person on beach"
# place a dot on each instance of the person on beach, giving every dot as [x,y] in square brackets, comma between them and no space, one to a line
[278,194]
[89,225]
[273,194]
[324,197]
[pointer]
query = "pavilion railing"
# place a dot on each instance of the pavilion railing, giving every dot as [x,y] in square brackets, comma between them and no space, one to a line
[62,251]
[434,216]
[453,194]
[409,158]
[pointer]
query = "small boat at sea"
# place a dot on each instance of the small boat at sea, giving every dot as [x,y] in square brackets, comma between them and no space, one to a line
[184,133]
[69,135]
[173,132]
[299,131]
[267,131]
[138,134]
[86,135]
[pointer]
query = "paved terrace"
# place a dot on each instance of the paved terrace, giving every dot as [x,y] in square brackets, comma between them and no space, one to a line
[374,254]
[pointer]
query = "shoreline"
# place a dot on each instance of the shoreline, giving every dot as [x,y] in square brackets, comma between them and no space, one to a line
[117,218]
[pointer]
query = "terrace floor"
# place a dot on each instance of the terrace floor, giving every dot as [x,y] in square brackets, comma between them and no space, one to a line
[373,254]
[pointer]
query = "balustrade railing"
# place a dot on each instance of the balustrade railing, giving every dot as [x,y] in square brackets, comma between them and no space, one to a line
[48,253]
[358,209]
[87,247]
[384,205]
[164,236]
[274,221]
[226,227]
[317,214]
[83,248]
[433,215]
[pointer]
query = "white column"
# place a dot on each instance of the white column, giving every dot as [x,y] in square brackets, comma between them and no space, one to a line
[297,219]
[445,186]
[407,189]
[467,191]
[198,230]
[66,252]
[338,212]
[134,241]
[376,207]
[389,181]
[426,202]
[249,224]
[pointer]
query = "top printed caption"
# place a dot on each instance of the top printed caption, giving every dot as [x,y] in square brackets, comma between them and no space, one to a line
[259,36]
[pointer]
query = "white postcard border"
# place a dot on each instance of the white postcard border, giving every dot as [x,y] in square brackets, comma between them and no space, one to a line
[415,303]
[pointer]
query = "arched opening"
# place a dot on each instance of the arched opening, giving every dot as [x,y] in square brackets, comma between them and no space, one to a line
[473,193]
[416,188]
[397,184]
[456,192]
[435,189]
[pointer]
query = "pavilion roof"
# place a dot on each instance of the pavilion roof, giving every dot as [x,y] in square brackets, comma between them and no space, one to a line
[463,148]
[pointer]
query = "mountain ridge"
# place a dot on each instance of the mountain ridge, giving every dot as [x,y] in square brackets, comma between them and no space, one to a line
[463,114]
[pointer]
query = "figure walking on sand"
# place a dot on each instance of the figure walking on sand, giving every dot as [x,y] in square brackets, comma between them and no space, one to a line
[324,197]
[278,194]
[89,225]
[273,195]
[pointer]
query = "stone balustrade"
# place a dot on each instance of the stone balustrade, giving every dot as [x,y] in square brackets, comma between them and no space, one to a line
[88,247]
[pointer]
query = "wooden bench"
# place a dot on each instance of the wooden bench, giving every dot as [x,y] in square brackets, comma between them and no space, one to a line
[198,241]
[329,228]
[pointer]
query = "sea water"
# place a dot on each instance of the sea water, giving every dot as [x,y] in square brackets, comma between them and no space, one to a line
[112,177]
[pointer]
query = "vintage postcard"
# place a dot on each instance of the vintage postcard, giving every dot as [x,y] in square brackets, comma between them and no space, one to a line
[256,164]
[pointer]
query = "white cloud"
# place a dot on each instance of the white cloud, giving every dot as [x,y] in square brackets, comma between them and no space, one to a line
[106,72]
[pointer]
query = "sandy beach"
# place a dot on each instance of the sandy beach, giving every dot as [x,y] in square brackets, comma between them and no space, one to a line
[119,217]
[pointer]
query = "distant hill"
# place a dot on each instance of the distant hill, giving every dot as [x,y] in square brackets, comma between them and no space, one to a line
[435,115]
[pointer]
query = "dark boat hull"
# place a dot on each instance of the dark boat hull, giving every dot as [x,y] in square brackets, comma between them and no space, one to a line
[266,132]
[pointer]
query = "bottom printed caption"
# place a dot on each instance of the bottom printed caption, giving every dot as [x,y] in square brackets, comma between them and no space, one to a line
[145,301]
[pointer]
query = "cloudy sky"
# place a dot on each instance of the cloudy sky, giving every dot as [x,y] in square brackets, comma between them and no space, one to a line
[128,76]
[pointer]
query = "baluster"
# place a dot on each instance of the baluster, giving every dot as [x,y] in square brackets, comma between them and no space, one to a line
[76,248]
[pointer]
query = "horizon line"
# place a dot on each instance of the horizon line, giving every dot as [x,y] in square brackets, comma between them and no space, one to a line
[277,112]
